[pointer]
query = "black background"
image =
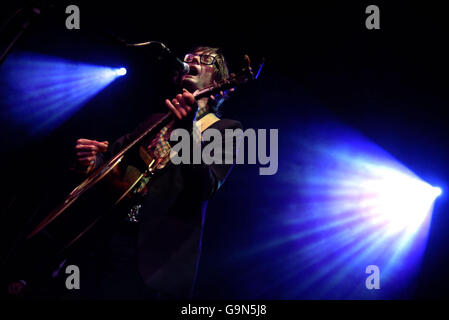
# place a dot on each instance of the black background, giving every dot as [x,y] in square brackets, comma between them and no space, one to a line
[389,84]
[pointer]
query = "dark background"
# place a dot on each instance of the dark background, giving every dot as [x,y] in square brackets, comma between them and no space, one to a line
[388,84]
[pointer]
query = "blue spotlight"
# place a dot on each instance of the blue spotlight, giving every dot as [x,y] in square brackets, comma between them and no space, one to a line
[346,204]
[40,92]
[121,72]
[396,200]
[437,191]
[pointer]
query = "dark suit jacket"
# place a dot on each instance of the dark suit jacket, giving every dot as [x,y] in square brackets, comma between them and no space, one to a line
[172,216]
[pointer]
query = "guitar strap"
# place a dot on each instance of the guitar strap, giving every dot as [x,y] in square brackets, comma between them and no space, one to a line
[199,127]
[206,121]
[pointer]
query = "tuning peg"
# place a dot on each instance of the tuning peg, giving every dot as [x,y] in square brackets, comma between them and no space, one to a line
[248,66]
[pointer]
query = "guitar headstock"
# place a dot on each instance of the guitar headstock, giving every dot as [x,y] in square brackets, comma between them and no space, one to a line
[247,73]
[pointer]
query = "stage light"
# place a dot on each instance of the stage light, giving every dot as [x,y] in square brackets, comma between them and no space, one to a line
[41,92]
[437,191]
[121,72]
[346,204]
[396,200]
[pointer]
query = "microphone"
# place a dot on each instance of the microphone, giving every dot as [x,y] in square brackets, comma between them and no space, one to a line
[175,61]
[172,59]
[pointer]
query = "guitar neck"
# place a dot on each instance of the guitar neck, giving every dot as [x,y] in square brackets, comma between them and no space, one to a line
[214,89]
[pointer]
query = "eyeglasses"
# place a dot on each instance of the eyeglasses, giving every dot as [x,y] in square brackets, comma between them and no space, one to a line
[204,58]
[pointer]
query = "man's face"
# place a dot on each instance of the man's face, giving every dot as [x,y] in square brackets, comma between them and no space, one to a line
[200,75]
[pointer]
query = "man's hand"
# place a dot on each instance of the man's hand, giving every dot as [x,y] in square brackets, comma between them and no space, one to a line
[87,150]
[184,107]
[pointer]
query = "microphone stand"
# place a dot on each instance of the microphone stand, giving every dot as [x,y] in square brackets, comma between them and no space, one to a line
[24,26]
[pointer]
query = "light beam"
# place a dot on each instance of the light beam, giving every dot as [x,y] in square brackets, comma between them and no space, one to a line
[40,92]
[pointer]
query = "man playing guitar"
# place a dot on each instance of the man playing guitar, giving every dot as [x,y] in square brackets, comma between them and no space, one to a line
[156,251]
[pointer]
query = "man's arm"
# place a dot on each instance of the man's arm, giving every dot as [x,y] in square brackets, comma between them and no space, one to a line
[92,154]
[208,178]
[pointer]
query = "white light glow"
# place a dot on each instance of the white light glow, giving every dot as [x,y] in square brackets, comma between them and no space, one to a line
[121,72]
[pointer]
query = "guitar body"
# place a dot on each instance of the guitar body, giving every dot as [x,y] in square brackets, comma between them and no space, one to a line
[106,192]
[101,201]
